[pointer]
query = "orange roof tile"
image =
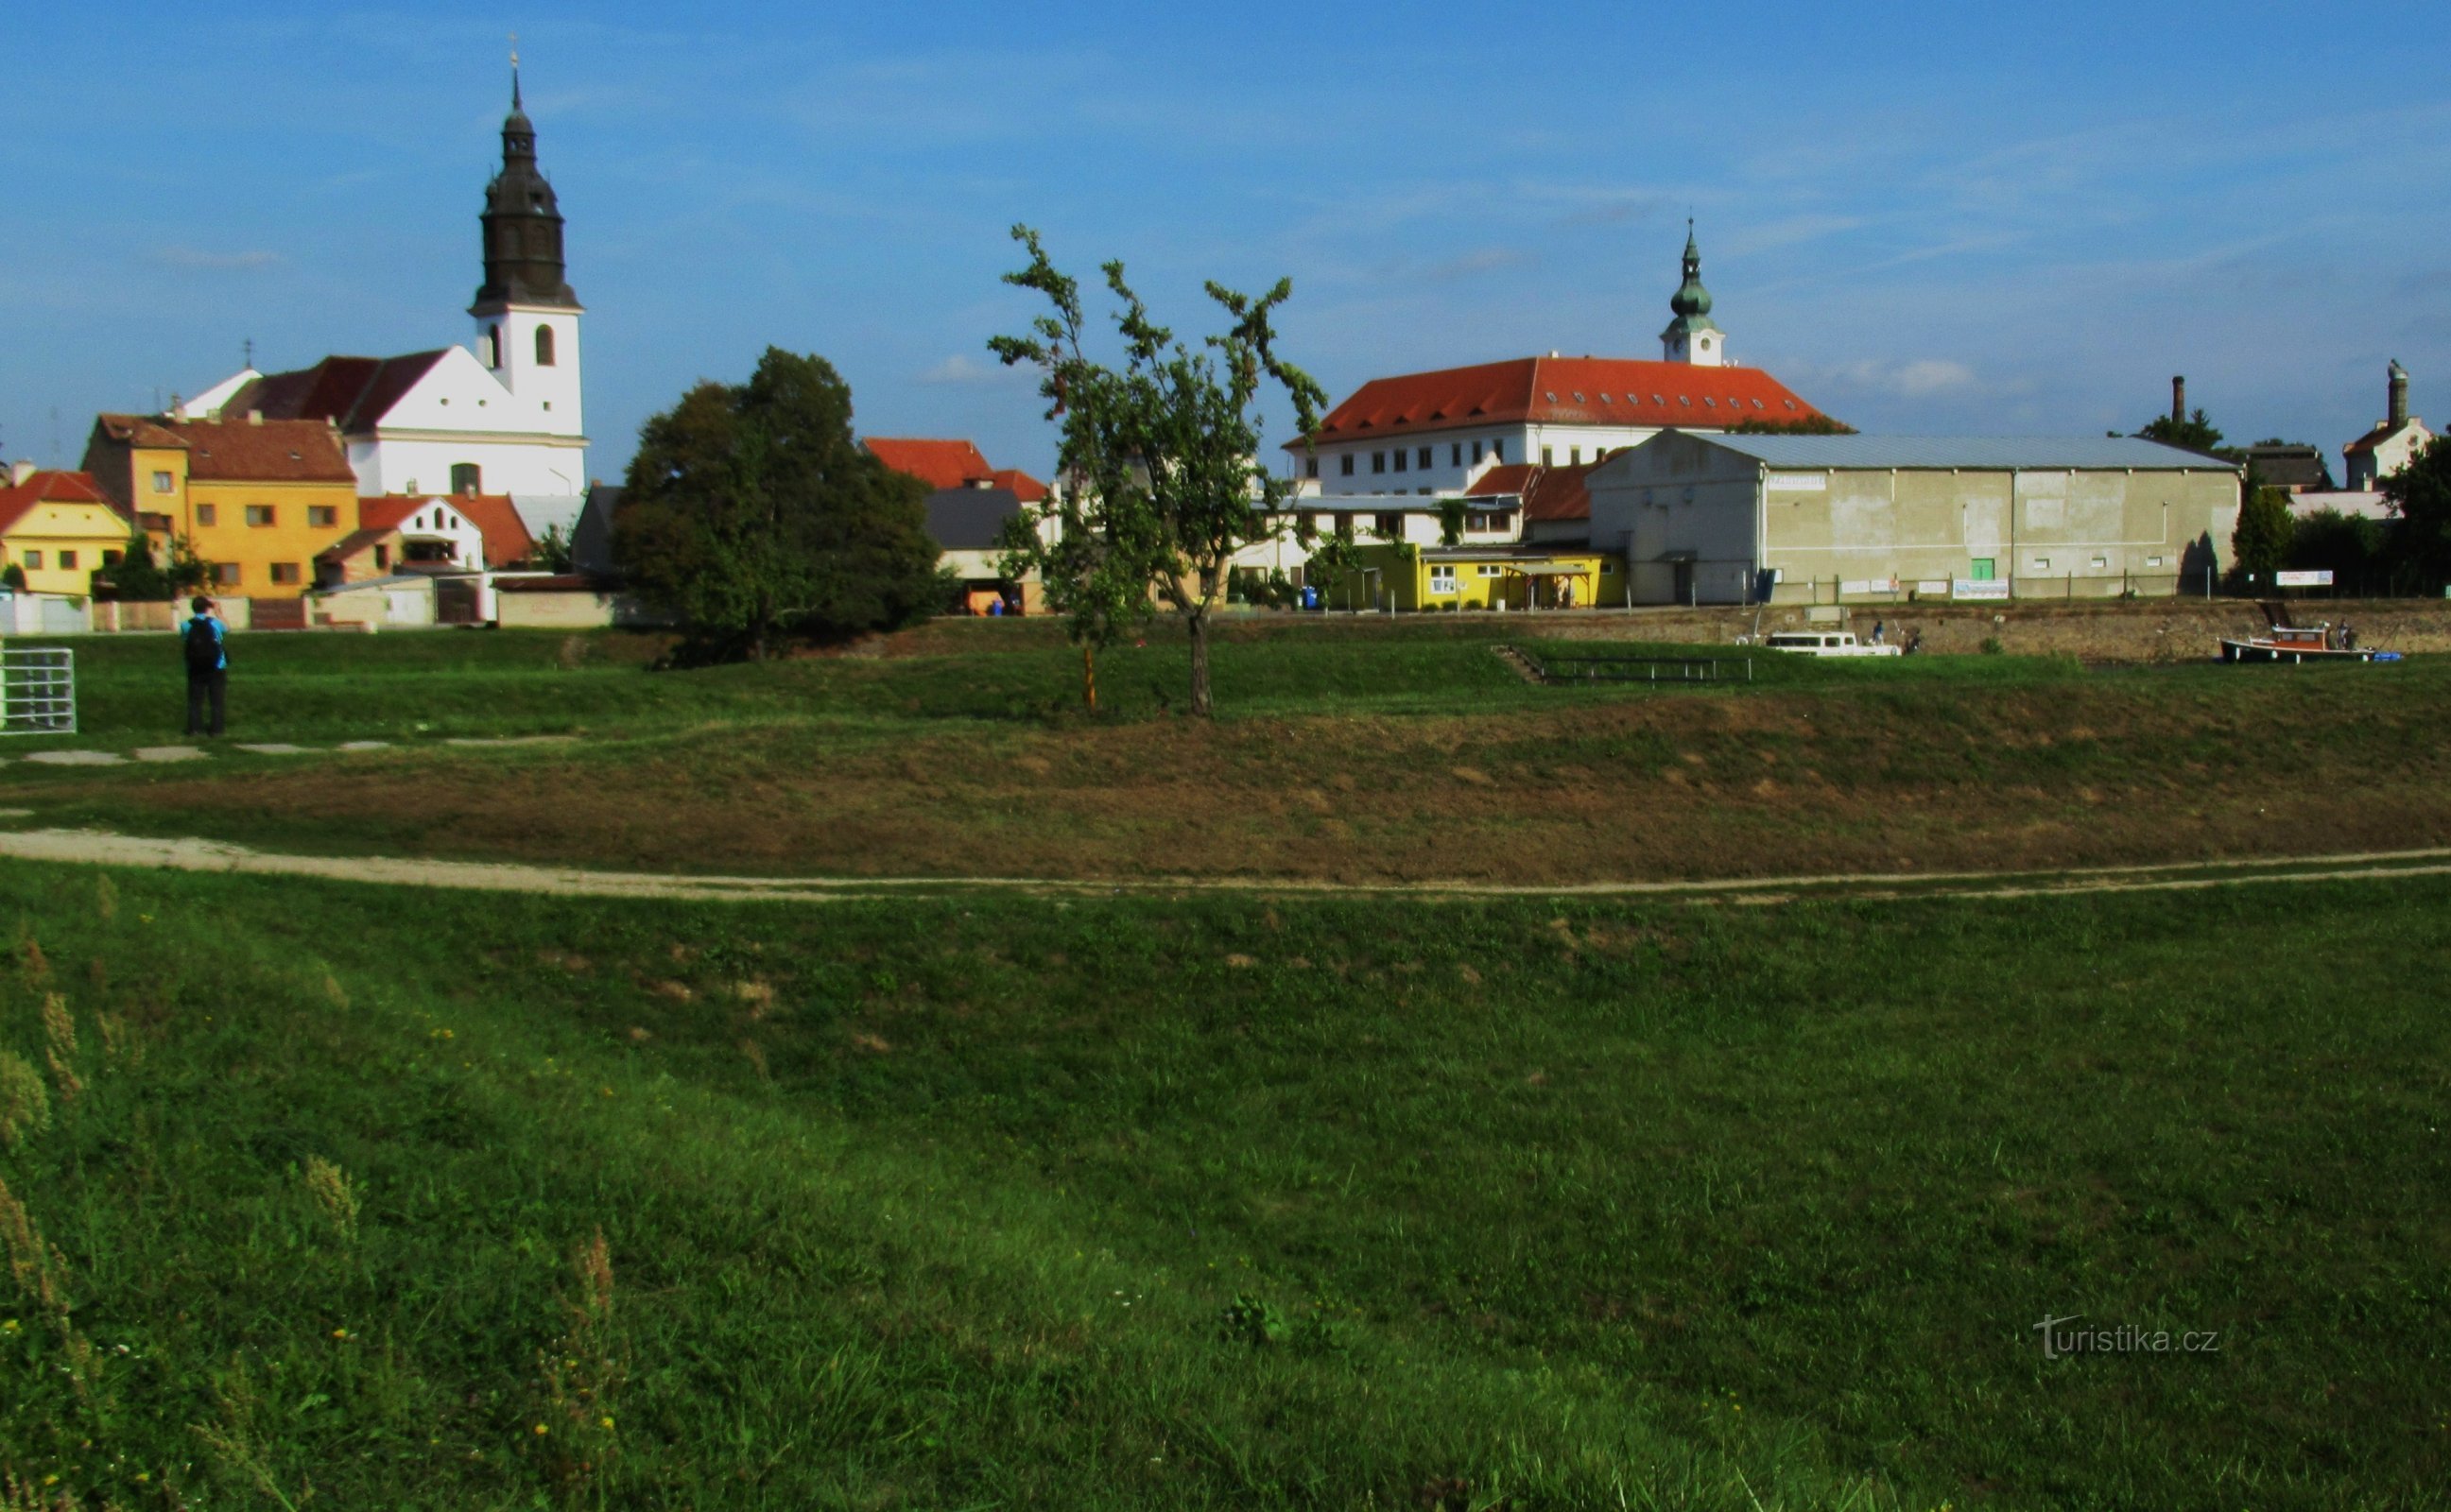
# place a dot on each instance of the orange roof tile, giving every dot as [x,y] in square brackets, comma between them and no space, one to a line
[938,464]
[1563,391]
[1024,487]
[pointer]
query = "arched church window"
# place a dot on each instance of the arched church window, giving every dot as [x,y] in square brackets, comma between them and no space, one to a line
[544,347]
[494,345]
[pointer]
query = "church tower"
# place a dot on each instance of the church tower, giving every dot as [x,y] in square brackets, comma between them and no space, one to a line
[1691,338]
[527,318]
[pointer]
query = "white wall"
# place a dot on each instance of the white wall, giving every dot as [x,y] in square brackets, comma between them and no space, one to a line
[549,393]
[461,413]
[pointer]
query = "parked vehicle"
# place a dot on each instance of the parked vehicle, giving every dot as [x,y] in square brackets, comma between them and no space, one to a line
[1824,643]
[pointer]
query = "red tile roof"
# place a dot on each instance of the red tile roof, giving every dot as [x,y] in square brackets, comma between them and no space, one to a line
[50,486]
[1548,492]
[356,541]
[139,430]
[1024,487]
[1563,391]
[269,451]
[938,464]
[506,536]
[354,392]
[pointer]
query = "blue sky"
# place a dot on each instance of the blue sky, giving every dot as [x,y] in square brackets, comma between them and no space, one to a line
[1931,218]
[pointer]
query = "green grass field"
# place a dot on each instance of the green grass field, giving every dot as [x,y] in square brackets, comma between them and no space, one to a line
[419,687]
[1351,750]
[1143,1204]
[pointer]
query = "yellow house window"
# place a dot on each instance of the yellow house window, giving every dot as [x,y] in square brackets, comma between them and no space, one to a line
[259,514]
[163,484]
[68,560]
[226,573]
[33,559]
[321,514]
[207,515]
[284,573]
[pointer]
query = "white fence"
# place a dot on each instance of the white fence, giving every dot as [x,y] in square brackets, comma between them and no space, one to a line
[38,690]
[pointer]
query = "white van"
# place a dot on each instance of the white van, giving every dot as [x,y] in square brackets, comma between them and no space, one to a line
[1824,643]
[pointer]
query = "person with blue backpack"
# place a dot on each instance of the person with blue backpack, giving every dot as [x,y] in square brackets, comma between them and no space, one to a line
[205,641]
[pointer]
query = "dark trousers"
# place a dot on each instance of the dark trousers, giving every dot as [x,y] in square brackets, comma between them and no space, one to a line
[203,685]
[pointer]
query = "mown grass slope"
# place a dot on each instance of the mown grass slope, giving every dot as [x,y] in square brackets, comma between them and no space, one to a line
[1143,1204]
[1350,751]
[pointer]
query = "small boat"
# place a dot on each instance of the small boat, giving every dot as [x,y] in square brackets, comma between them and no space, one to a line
[2300,643]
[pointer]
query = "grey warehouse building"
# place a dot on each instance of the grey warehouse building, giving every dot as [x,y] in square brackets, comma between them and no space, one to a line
[1802,519]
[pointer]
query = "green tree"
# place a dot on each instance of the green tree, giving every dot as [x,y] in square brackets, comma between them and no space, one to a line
[1808,425]
[138,577]
[753,515]
[2350,547]
[13,577]
[1158,462]
[2419,494]
[2195,432]
[551,551]
[2260,544]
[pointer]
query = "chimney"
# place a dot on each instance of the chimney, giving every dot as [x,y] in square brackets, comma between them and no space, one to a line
[19,471]
[2398,410]
[2179,400]
[255,417]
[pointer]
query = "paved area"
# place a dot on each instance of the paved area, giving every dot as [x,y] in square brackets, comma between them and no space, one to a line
[102,848]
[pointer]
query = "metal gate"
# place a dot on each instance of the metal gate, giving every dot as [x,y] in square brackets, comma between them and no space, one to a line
[38,692]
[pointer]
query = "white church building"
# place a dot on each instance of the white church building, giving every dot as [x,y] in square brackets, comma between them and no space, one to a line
[502,415]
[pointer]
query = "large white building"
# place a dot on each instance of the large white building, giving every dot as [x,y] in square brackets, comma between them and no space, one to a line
[502,415]
[1436,433]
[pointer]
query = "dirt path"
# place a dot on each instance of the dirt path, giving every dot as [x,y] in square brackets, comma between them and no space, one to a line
[99,847]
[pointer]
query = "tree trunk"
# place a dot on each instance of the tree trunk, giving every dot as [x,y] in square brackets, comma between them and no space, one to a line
[1198,622]
[1089,676]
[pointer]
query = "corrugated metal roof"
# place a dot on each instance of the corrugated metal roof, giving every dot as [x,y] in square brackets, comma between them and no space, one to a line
[1967,451]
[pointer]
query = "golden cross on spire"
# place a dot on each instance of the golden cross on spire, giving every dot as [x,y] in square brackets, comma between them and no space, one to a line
[515,49]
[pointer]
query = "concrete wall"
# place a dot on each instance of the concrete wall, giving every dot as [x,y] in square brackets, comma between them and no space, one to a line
[557,608]
[1683,514]
[1832,535]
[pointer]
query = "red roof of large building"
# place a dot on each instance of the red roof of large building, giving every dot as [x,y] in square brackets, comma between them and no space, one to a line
[49,486]
[1563,391]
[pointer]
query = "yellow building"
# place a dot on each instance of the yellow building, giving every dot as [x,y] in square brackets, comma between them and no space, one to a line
[58,529]
[258,498]
[1510,576]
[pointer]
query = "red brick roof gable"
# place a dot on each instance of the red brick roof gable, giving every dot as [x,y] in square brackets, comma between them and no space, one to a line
[1565,391]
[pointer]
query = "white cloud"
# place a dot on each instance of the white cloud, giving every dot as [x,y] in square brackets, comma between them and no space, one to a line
[969,371]
[1921,377]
